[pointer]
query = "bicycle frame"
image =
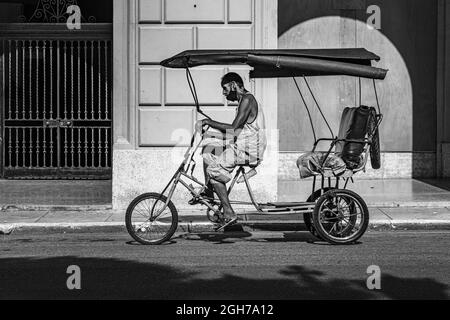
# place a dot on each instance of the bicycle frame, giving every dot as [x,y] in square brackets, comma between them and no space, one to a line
[188,164]
[183,171]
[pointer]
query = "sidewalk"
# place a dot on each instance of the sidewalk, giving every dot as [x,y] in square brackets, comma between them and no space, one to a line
[382,218]
[393,205]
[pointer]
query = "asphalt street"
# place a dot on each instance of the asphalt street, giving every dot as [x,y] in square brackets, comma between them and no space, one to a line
[238,265]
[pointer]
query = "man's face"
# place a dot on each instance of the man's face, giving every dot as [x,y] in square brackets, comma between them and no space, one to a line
[229,91]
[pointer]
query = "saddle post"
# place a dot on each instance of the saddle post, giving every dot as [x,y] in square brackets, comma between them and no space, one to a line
[236,176]
[250,192]
[346,182]
[314,184]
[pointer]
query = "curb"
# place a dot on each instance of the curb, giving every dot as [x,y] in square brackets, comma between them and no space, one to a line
[32,207]
[195,227]
[410,204]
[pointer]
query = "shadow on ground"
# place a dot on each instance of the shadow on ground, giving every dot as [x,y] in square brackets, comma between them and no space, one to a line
[241,235]
[29,278]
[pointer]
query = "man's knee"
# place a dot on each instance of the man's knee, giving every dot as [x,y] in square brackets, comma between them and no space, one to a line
[215,176]
[214,182]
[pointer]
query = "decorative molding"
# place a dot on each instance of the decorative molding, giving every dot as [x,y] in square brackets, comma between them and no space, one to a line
[42,31]
[53,11]
[123,39]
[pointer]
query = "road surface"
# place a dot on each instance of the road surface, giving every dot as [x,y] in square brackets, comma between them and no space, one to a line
[239,265]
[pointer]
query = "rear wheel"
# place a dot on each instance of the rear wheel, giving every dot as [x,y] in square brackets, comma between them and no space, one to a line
[147,223]
[375,156]
[340,216]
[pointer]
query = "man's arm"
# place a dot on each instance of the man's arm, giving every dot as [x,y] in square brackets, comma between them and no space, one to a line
[243,113]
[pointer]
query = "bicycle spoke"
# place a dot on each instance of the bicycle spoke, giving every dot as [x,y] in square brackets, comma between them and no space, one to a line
[140,213]
[334,225]
[143,205]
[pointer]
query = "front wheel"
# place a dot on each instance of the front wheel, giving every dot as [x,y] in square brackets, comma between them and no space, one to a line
[147,222]
[340,216]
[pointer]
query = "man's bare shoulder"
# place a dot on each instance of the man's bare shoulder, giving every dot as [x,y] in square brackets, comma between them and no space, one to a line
[249,97]
[248,100]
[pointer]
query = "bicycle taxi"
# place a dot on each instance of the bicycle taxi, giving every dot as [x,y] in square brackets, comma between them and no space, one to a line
[331,212]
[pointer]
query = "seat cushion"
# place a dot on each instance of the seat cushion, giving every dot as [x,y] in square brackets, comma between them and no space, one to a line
[312,163]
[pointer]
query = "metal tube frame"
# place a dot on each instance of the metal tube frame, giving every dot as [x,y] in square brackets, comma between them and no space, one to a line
[261,208]
[187,164]
[367,142]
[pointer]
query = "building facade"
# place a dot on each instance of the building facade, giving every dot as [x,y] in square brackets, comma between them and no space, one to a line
[94,103]
[409,36]
[154,113]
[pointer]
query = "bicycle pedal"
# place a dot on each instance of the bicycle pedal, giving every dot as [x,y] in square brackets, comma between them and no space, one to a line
[194,201]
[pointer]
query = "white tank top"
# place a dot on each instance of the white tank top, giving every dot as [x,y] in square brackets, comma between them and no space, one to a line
[252,138]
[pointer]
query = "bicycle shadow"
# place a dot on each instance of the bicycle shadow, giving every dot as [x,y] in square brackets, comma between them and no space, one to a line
[232,236]
[216,237]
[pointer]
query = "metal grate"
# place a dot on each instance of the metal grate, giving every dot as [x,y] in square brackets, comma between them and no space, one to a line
[57,108]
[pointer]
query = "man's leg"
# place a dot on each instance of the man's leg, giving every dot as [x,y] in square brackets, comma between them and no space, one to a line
[222,193]
[219,173]
[209,191]
[210,154]
[209,187]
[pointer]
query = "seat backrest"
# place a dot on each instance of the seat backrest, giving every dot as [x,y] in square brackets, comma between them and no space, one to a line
[344,126]
[354,125]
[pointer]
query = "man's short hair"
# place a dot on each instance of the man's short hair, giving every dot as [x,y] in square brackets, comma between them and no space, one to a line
[230,77]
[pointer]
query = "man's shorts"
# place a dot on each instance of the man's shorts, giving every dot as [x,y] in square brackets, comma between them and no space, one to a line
[221,159]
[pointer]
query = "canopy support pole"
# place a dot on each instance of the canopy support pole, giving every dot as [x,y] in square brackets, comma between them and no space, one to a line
[318,107]
[307,109]
[191,83]
[376,96]
[360,92]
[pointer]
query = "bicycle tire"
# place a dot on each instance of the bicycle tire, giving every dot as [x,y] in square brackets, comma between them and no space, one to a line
[349,196]
[375,153]
[132,228]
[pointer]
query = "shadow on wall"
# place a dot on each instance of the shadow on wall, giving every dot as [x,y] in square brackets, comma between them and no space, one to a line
[27,278]
[407,46]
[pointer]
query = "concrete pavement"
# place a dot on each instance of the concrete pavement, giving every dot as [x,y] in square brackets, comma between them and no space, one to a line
[393,205]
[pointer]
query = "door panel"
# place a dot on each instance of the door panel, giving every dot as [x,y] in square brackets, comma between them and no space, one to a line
[57,107]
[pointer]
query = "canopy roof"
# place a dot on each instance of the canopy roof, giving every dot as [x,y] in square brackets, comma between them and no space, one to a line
[286,63]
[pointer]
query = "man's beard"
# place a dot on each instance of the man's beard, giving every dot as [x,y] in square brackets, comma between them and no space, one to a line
[232,96]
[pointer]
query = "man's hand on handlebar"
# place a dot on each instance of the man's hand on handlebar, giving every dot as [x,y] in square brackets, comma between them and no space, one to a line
[200,125]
